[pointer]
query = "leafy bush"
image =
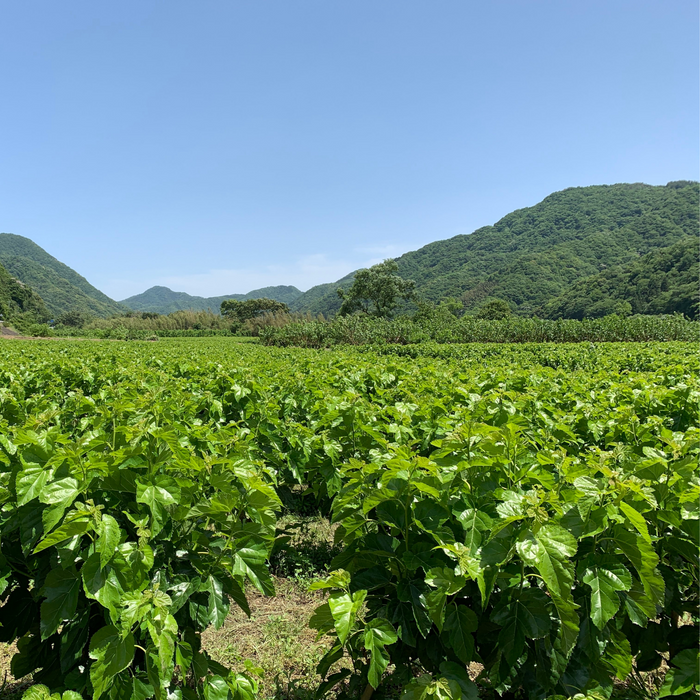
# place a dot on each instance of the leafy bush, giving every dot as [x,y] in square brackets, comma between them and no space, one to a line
[39,330]
[119,549]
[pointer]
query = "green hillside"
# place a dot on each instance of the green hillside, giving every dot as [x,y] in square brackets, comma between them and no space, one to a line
[164,301]
[61,288]
[534,255]
[323,298]
[664,281]
[17,298]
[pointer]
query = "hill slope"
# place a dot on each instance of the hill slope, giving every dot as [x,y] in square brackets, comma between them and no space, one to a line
[534,255]
[164,301]
[61,288]
[16,298]
[664,281]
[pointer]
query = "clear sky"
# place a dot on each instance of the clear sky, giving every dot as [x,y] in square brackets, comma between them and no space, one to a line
[223,145]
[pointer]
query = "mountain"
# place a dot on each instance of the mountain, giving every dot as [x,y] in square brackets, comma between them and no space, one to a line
[164,301]
[61,288]
[16,298]
[323,298]
[534,255]
[664,281]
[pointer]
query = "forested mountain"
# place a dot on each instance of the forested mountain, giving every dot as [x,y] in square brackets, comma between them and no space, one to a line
[534,255]
[61,288]
[581,252]
[164,301]
[664,281]
[17,298]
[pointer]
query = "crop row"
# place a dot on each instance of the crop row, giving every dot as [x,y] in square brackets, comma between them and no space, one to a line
[531,509]
[445,328]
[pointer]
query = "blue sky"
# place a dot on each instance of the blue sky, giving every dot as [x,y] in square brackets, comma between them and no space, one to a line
[223,145]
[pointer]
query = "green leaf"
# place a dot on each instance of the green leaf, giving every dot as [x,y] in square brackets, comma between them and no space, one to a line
[637,519]
[218,602]
[640,609]
[61,590]
[413,592]
[183,656]
[605,576]
[402,616]
[526,615]
[331,682]
[644,559]
[216,688]
[550,551]
[30,483]
[684,674]
[378,633]
[37,692]
[65,532]
[108,540]
[102,584]
[344,608]
[74,637]
[618,653]
[459,622]
[163,490]
[474,523]
[454,672]
[111,655]
[62,491]
[250,563]
[162,629]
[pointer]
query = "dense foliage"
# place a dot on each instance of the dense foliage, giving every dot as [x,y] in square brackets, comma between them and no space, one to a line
[536,254]
[441,326]
[61,288]
[532,508]
[146,325]
[19,303]
[376,291]
[238,312]
[662,282]
[162,300]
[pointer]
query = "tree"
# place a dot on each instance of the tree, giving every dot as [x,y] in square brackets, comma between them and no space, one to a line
[495,310]
[73,319]
[241,311]
[377,290]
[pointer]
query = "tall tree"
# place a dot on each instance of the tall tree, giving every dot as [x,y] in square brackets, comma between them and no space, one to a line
[377,290]
[240,311]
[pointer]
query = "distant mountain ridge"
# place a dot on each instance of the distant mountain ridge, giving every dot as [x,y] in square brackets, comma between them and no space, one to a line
[534,255]
[61,288]
[162,300]
[576,253]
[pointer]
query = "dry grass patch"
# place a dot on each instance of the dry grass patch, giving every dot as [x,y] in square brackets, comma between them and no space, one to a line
[276,638]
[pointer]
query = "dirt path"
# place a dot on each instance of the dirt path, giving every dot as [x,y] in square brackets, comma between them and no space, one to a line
[8,332]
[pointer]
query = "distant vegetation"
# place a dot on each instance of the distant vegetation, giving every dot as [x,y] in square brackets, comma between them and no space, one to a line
[19,302]
[444,327]
[180,324]
[535,255]
[662,282]
[164,301]
[61,288]
[582,253]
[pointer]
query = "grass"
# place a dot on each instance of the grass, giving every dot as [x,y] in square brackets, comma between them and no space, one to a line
[276,639]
